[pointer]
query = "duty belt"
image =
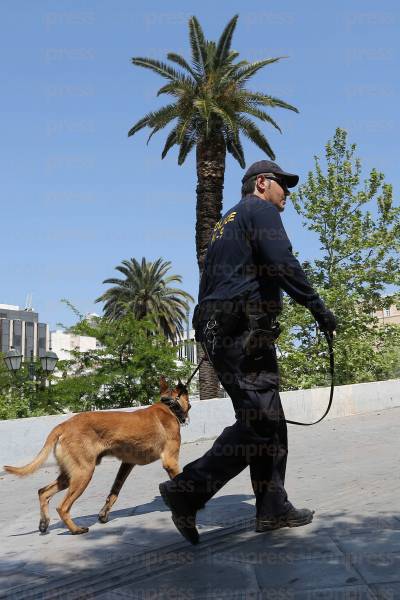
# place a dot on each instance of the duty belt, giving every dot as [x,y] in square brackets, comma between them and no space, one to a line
[212,326]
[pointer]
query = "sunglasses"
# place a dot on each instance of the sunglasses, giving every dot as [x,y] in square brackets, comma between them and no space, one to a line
[278,180]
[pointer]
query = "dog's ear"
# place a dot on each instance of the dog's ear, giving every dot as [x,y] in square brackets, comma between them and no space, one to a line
[181,388]
[163,385]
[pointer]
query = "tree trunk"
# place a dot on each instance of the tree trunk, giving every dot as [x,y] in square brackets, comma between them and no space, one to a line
[210,157]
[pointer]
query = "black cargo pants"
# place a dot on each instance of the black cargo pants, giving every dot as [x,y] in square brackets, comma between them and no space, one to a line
[257,439]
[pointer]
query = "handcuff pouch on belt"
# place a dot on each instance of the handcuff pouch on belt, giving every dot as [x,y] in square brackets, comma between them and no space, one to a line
[262,333]
[214,320]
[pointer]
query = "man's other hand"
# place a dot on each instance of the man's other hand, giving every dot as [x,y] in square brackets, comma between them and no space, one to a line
[327,321]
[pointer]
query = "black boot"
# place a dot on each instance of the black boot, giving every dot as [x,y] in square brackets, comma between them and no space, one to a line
[293,518]
[183,515]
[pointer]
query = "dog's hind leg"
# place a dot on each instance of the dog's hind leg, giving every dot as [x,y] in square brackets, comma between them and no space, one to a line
[45,495]
[79,481]
[170,460]
[120,479]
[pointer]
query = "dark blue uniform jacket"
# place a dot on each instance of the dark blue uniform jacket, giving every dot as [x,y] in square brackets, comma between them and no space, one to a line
[250,256]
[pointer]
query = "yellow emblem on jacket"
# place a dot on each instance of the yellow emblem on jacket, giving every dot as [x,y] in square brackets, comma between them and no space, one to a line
[218,231]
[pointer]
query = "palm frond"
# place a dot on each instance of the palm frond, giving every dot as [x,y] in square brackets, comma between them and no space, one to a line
[198,44]
[227,118]
[177,88]
[171,279]
[243,74]
[253,133]
[183,128]
[226,77]
[152,133]
[164,115]
[234,147]
[204,108]
[211,49]
[263,116]
[267,100]
[224,43]
[179,60]
[170,141]
[232,55]
[139,125]
[186,146]
[158,119]
[159,67]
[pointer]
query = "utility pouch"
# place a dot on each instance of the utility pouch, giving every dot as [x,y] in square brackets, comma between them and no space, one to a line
[196,320]
[227,315]
[230,319]
[201,314]
[261,335]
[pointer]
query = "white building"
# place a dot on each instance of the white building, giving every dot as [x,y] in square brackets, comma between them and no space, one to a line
[188,347]
[63,343]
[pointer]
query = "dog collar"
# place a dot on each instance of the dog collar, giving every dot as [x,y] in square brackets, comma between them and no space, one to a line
[175,407]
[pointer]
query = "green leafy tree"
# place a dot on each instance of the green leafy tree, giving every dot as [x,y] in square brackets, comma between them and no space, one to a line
[211,108]
[358,228]
[21,396]
[123,371]
[146,290]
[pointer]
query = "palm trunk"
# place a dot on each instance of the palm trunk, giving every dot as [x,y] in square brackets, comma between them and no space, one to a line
[210,157]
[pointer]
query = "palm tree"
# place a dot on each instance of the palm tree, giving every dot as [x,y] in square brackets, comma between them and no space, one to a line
[211,108]
[144,291]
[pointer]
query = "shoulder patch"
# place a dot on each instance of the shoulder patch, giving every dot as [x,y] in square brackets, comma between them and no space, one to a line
[218,230]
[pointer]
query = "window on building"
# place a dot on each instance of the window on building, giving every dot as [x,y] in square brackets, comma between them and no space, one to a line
[386,312]
[17,336]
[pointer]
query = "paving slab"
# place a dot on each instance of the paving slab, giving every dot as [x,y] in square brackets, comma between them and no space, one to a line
[206,578]
[370,542]
[387,591]
[321,571]
[282,547]
[378,568]
[348,592]
[15,580]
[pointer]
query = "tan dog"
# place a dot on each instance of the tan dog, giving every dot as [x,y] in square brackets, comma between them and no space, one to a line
[136,438]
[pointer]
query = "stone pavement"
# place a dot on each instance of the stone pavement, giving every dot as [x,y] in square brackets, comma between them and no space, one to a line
[347,469]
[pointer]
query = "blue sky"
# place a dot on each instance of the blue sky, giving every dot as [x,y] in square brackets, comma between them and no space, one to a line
[78,196]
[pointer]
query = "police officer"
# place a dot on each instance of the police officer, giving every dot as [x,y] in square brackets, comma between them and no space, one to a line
[248,263]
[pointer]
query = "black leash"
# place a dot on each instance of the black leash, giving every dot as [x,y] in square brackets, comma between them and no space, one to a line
[329,340]
[195,371]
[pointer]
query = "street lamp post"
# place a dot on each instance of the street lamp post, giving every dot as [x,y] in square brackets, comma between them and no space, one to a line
[31,368]
[13,361]
[49,361]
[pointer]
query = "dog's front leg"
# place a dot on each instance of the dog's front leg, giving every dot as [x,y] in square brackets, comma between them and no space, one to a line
[120,479]
[170,458]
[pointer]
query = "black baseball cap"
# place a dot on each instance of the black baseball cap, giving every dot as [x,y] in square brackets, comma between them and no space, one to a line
[267,166]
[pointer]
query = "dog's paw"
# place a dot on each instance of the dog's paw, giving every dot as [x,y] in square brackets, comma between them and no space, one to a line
[103,517]
[43,525]
[80,530]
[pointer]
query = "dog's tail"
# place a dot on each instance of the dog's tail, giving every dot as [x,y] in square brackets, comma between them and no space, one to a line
[40,458]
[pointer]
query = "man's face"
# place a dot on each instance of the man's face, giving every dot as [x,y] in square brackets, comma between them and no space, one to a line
[273,189]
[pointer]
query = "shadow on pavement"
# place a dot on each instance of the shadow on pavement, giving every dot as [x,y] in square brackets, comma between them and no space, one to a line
[340,555]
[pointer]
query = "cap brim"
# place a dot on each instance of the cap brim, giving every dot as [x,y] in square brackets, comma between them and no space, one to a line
[291,179]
